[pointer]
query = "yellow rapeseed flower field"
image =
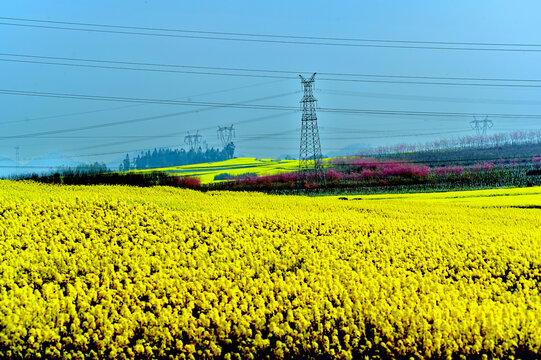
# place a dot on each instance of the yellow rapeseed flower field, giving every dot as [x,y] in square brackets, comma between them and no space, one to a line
[234,167]
[141,273]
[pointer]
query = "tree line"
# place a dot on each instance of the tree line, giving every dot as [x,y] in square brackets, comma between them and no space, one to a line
[159,158]
[461,143]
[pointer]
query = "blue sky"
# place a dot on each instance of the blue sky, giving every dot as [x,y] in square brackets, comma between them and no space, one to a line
[260,132]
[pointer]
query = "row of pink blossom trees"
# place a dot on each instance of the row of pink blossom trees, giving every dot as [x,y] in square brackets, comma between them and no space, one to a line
[355,171]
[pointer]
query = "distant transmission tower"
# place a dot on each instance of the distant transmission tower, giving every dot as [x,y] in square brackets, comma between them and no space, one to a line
[310,149]
[481,126]
[16,160]
[226,135]
[193,141]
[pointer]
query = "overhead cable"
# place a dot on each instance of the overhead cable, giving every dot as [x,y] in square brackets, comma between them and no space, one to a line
[272,39]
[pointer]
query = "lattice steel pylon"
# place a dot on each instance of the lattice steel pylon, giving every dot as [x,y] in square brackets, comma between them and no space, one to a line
[193,141]
[481,126]
[226,134]
[310,157]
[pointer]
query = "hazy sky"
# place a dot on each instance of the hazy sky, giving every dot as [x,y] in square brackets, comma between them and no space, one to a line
[41,125]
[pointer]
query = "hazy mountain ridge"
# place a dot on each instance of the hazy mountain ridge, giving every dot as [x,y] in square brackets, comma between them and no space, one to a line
[39,165]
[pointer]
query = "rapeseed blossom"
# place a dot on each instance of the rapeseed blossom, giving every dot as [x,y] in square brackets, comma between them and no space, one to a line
[130,273]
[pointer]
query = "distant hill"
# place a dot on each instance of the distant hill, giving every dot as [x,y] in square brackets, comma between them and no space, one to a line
[41,165]
[348,149]
[51,161]
[8,167]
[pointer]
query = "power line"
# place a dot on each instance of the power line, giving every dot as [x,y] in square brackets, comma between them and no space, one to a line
[275,39]
[257,136]
[244,139]
[142,100]
[326,138]
[103,136]
[169,134]
[270,35]
[425,98]
[261,106]
[323,129]
[261,70]
[107,67]
[160,136]
[143,69]
[253,138]
[422,113]
[341,130]
[137,105]
[123,122]
[431,83]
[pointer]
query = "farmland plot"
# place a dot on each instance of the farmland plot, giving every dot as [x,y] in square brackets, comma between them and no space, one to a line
[125,273]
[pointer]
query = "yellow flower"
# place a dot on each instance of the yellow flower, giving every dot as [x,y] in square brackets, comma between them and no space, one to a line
[191,274]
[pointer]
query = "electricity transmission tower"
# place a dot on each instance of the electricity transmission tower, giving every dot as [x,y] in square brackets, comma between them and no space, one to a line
[193,141]
[16,160]
[226,134]
[310,163]
[481,126]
